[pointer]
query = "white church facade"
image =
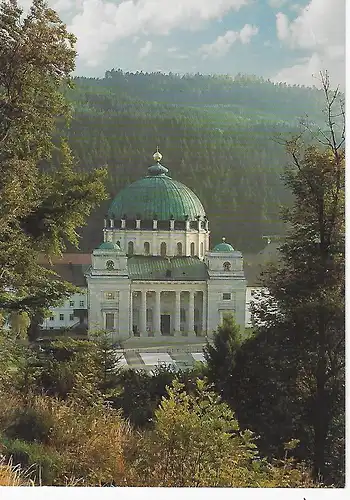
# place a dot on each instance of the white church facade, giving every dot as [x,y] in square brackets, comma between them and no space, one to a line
[154,274]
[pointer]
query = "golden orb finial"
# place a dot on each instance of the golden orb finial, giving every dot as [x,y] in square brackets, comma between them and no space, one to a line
[157,156]
[223,239]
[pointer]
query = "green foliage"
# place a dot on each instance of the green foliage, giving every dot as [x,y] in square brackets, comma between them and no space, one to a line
[141,393]
[299,349]
[69,368]
[197,442]
[20,322]
[40,210]
[28,425]
[220,355]
[42,464]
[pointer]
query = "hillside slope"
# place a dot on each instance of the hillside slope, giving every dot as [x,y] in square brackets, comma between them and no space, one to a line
[218,136]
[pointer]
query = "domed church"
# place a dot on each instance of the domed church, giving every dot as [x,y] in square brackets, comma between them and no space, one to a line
[154,274]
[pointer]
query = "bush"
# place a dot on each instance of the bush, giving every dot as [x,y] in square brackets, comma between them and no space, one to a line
[31,425]
[43,464]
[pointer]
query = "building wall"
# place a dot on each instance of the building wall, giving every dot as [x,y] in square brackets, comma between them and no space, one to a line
[109,295]
[200,239]
[219,304]
[216,307]
[63,315]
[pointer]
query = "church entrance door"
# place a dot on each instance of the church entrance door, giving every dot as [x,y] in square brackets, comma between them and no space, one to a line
[165,324]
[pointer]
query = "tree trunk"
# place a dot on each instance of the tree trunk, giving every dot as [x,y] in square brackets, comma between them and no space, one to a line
[321,409]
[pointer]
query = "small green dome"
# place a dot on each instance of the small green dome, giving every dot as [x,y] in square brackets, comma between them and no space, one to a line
[156,195]
[108,245]
[223,247]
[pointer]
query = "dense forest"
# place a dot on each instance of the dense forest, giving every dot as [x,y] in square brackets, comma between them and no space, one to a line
[218,135]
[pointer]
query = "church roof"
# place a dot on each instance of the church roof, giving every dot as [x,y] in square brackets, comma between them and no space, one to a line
[166,269]
[156,196]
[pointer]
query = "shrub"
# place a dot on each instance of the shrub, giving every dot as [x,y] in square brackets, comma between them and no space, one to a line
[43,464]
[29,424]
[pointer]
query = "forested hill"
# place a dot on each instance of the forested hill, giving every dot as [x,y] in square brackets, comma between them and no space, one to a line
[217,135]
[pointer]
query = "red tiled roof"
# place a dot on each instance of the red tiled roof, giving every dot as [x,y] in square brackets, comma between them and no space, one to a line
[68,258]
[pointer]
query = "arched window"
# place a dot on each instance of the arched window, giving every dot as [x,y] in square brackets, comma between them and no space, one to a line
[146,247]
[118,243]
[202,249]
[192,249]
[179,248]
[163,249]
[130,248]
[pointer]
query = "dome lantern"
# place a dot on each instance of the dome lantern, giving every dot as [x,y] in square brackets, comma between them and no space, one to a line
[157,169]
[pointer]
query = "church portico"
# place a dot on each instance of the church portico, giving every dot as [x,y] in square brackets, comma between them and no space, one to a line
[168,312]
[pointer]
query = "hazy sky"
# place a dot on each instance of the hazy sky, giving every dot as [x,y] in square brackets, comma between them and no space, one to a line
[284,40]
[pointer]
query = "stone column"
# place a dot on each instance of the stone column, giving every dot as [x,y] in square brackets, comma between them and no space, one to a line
[157,314]
[204,313]
[103,320]
[131,316]
[115,321]
[143,315]
[191,314]
[177,313]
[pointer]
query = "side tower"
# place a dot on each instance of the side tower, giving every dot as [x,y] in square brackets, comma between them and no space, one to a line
[226,285]
[109,291]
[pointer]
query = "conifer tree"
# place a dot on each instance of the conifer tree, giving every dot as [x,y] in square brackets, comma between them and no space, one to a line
[301,323]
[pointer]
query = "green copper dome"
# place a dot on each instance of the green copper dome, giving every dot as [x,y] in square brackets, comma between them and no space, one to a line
[223,247]
[108,245]
[156,195]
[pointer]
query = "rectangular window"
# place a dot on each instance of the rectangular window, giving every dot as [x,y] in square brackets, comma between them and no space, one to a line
[81,304]
[61,317]
[109,321]
[52,318]
[110,295]
[71,317]
[226,296]
[71,303]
